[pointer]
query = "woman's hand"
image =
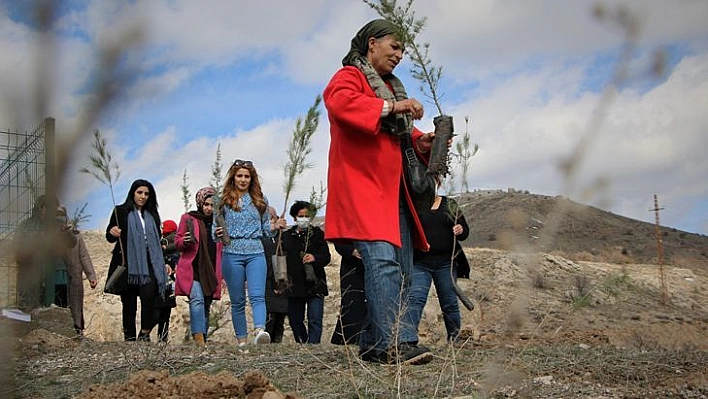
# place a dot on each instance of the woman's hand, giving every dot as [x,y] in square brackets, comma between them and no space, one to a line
[280,224]
[408,106]
[457,229]
[115,231]
[308,258]
[187,240]
[425,142]
[93,283]
[219,231]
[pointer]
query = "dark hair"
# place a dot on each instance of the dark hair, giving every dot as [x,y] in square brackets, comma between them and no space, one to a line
[298,205]
[150,205]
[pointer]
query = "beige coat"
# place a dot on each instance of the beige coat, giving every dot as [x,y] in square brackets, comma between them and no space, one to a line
[78,262]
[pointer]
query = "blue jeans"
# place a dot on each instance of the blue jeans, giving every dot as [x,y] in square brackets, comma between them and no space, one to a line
[197,314]
[439,273]
[387,272]
[237,269]
[296,317]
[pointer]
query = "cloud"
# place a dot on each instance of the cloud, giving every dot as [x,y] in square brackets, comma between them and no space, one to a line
[528,74]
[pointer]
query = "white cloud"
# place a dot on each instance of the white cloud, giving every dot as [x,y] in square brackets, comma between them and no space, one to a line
[519,70]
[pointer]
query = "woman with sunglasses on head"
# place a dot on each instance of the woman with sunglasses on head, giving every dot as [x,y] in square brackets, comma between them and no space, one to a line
[135,228]
[244,209]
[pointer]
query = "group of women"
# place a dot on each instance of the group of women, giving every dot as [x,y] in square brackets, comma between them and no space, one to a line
[234,251]
[209,252]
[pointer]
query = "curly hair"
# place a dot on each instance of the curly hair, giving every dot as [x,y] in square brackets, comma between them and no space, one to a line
[230,195]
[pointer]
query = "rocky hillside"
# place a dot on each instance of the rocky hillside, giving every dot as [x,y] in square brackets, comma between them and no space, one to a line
[517,220]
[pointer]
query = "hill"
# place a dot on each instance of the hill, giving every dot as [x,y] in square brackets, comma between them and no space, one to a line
[514,220]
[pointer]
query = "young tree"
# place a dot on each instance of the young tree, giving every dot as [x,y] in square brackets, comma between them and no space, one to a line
[298,150]
[317,198]
[423,70]
[465,153]
[79,216]
[216,170]
[429,75]
[105,170]
[185,192]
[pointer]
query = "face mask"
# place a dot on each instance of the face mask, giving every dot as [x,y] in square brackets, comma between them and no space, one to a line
[302,222]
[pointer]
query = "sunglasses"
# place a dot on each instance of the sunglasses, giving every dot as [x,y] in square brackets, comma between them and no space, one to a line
[240,162]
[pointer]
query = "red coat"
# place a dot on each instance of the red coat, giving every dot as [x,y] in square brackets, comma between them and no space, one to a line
[365,166]
[184,273]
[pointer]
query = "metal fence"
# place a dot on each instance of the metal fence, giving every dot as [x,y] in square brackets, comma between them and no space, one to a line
[23,170]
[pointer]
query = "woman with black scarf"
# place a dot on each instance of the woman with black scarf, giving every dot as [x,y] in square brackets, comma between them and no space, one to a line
[198,274]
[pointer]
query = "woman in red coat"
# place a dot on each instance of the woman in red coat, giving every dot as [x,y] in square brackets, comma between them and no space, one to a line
[198,274]
[368,203]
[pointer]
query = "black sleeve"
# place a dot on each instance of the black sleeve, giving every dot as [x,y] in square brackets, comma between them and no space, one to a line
[319,248]
[345,249]
[113,222]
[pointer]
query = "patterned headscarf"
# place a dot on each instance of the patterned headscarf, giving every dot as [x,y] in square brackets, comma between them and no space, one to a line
[395,124]
[203,194]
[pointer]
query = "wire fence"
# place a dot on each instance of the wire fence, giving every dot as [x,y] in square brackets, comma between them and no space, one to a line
[23,171]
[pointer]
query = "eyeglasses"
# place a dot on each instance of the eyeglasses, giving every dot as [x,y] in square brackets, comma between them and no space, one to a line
[240,162]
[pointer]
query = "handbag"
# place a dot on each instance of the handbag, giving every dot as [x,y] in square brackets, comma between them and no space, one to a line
[420,184]
[117,283]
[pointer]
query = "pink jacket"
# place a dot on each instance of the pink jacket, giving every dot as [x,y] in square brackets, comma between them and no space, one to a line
[184,275]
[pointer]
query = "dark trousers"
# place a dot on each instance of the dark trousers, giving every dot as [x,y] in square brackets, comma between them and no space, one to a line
[163,323]
[148,316]
[61,295]
[312,334]
[275,326]
[352,311]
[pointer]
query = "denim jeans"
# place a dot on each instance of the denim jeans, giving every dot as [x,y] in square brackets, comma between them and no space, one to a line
[439,273]
[237,269]
[197,313]
[296,317]
[387,272]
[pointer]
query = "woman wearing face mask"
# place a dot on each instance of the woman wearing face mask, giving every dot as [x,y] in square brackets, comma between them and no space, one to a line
[307,254]
[135,228]
[198,273]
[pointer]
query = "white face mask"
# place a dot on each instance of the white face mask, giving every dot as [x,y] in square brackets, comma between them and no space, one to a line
[302,222]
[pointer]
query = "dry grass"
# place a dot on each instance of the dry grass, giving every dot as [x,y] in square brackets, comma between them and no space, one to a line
[327,371]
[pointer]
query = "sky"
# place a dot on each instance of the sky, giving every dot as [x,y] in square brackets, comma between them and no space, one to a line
[619,89]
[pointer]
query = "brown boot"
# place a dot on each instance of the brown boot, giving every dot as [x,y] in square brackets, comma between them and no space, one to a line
[199,339]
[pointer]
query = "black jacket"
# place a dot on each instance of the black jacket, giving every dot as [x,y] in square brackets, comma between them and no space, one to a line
[294,246]
[437,225]
[122,222]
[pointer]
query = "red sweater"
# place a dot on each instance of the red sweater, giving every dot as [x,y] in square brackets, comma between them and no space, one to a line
[365,166]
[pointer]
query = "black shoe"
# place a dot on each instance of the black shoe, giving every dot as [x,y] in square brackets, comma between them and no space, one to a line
[374,355]
[402,354]
[143,337]
[412,354]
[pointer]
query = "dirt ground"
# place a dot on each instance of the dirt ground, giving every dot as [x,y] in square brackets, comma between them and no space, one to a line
[544,326]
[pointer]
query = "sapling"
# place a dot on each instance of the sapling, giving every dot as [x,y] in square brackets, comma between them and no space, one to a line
[423,70]
[298,150]
[104,168]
